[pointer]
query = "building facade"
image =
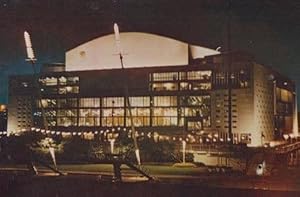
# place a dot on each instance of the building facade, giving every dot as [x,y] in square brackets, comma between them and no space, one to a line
[172,99]
[3,118]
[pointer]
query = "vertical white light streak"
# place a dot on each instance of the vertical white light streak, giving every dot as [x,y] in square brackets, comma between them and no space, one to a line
[112,144]
[52,153]
[29,50]
[117,38]
[183,151]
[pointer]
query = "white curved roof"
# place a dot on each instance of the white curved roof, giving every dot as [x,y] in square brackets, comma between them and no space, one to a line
[139,50]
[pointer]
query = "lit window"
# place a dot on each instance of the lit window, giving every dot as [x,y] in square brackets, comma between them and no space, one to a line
[199,75]
[48,81]
[139,101]
[165,101]
[170,76]
[113,102]
[165,86]
[89,102]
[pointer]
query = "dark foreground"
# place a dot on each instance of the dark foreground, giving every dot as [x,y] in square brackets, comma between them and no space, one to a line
[20,184]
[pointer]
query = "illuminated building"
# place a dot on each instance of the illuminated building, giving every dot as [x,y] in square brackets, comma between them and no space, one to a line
[174,88]
[3,118]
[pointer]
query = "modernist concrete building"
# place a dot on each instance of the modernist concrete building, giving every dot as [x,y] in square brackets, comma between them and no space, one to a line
[173,88]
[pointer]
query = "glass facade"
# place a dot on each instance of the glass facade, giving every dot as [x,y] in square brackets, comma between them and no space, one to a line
[174,81]
[146,111]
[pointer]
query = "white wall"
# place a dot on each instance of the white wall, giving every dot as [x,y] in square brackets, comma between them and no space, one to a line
[139,49]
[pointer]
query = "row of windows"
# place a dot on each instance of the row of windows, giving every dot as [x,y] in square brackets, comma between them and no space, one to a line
[239,79]
[169,86]
[115,121]
[114,102]
[62,90]
[115,115]
[190,75]
[54,81]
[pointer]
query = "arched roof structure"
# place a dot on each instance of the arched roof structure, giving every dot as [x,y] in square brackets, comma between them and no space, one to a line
[139,50]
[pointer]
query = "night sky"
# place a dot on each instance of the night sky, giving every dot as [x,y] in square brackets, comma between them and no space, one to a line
[268,29]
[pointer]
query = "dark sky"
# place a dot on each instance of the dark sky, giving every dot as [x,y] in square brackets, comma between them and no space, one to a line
[268,29]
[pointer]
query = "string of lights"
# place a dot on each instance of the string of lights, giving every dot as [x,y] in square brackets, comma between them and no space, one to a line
[114,133]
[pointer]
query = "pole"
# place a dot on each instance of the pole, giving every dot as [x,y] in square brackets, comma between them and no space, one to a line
[118,45]
[39,96]
[183,151]
[130,113]
[229,67]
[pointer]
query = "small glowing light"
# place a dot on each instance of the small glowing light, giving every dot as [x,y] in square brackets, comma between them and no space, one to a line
[285,136]
[216,135]
[174,138]
[96,132]
[149,135]
[69,89]
[214,139]
[180,139]
[221,139]
[101,131]
[79,133]
[52,132]
[285,83]
[57,133]
[228,139]
[74,133]
[207,139]
[32,128]
[38,129]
